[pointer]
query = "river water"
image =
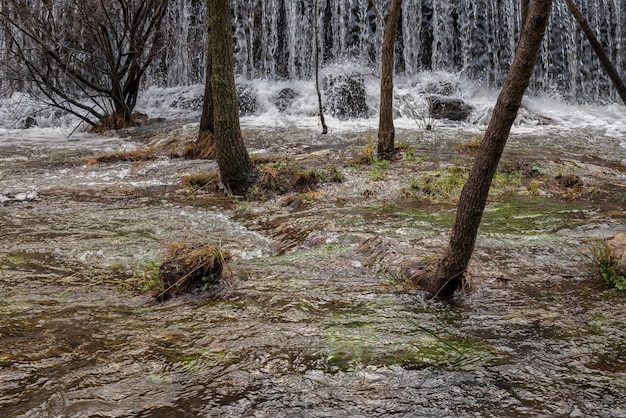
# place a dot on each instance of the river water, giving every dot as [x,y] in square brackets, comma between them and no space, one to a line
[307,322]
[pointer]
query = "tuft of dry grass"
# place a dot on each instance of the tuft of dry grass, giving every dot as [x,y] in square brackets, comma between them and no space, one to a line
[209,182]
[124,156]
[202,149]
[470,147]
[188,268]
[115,121]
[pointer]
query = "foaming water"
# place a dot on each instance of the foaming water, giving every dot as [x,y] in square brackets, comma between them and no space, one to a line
[539,114]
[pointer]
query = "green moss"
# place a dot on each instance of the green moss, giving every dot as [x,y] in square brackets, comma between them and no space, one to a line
[314,253]
[205,361]
[524,215]
[358,344]
[441,185]
[377,174]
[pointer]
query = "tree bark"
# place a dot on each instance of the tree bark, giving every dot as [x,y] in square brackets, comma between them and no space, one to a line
[597,47]
[236,169]
[386,130]
[449,273]
[204,146]
[206,120]
[317,70]
[525,5]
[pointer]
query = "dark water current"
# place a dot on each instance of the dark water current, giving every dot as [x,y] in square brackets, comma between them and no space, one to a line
[305,324]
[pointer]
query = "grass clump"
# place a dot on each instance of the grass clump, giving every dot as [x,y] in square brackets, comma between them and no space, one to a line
[605,263]
[124,156]
[366,154]
[188,268]
[379,170]
[470,147]
[281,177]
[202,149]
[445,184]
[203,181]
[116,120]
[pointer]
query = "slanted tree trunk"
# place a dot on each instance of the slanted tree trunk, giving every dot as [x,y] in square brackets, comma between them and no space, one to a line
[386,130]
[317,69]
[597,47]
[448,274]
[236,169]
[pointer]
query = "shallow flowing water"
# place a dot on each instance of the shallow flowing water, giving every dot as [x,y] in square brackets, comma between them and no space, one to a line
[307,323]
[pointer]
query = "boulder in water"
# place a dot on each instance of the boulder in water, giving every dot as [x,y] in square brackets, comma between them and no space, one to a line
[27,123]
[247,99]
[285,98]
[345,95]
[448,108]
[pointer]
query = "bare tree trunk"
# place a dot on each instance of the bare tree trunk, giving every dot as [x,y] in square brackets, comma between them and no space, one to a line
[317,69]
[525,4]
[597,47]
[206,120]
[204,147]
[449,272]
[236,169]
[386,130]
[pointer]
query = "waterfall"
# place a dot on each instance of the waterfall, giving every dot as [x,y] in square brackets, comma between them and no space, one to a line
[274,39]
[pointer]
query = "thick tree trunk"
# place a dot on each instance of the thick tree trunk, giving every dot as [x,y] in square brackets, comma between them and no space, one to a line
[449,272]
[204,146]
[386,130]
[597,47]
[236,169]
[206,120]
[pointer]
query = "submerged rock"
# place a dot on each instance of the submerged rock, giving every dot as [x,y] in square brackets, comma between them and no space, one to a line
[345,95]
[247,99]
[447,108]
[285,98]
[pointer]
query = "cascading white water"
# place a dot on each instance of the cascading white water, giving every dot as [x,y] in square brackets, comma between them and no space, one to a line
[477,38]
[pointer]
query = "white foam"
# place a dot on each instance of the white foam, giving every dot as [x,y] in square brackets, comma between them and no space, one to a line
[539,114]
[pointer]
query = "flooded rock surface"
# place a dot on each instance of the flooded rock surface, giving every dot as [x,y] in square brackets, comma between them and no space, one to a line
[309,321]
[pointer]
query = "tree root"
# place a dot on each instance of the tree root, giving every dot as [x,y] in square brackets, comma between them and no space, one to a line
[423,274]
